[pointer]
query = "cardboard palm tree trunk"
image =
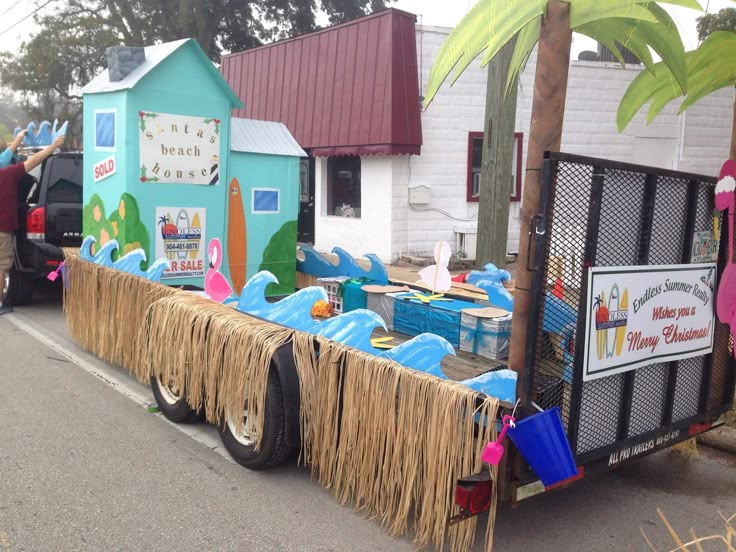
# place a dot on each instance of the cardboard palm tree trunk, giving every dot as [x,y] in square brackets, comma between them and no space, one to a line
[548,108]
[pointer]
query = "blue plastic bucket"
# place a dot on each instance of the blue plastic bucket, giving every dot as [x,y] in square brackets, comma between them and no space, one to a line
[542,441]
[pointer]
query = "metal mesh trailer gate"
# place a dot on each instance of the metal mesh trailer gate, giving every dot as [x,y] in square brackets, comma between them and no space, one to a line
[598,213]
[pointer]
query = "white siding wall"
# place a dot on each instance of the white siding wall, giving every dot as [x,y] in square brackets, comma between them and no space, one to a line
[400,206]
[708,133]
[594,91]
[371,233]
[443,162]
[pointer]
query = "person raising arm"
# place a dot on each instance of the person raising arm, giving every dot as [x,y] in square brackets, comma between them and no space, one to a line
[8,151]
[37,158]
[10,178]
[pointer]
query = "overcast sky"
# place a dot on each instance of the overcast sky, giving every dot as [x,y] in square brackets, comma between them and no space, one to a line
[433,12]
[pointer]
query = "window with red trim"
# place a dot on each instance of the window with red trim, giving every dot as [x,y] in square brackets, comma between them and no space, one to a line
[475,158]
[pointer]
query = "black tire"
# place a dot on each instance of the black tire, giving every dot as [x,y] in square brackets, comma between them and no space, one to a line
[178,411]
[19,290]
[274,450]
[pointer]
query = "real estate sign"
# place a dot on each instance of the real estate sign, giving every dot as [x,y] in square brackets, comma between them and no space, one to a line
[641,315]
[178,149]
[180,238]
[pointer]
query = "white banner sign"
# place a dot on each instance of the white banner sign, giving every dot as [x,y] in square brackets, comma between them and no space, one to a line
[180,237]
[179,149]
[105,168]
[641,315]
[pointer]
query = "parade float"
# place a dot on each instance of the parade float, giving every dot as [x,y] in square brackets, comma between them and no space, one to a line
[396,394]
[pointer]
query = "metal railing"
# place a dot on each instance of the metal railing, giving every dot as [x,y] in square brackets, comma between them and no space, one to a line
[598,213]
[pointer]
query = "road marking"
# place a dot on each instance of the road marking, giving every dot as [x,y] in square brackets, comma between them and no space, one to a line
[195,432]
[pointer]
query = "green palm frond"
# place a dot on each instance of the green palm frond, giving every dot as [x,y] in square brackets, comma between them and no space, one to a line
[692,4]
[660,86]
[611,32]
[488,26]
[635,24]
[711,67]
[638,36]
[583,12]
[525,42]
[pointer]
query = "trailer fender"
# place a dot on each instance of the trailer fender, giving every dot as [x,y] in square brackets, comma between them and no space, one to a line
[283,363]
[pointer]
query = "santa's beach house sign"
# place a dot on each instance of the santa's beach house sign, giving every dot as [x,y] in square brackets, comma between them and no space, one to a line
[178,149]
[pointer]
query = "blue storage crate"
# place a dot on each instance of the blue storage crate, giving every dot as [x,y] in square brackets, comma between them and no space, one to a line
[413,317]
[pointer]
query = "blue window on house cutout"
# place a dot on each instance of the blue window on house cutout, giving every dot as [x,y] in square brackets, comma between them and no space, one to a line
[105,130]
[266,200]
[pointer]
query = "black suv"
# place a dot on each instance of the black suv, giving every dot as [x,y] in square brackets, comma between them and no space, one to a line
[49,218]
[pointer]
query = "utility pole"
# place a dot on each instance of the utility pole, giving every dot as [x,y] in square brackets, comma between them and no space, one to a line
[498,155]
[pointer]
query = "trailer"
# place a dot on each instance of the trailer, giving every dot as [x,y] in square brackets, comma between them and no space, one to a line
[596,218]
[622,339]
[635,216]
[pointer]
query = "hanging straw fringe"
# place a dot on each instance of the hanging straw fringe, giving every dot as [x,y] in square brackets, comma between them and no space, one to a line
[218,356]
[389,440]
[105,308]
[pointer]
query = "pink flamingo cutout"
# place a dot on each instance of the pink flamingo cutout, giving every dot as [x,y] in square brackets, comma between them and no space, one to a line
[216,285]
[726,299]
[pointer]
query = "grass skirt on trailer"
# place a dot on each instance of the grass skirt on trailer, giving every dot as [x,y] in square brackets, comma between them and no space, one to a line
[389,440]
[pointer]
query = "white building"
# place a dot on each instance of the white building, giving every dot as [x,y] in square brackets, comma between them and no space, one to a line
[378,216]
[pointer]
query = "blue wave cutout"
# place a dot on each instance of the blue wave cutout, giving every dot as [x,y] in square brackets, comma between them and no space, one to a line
[355,328]
[45,135]
[423,353]
[130,263]
[318,266]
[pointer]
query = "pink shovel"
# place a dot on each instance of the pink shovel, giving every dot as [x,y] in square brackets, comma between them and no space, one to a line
[494,451]
[55,274]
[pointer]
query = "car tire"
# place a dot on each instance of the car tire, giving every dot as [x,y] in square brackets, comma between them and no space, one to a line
[173,405]
[274,449]
[18,290]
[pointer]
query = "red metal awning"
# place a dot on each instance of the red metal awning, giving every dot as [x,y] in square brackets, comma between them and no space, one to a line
[352,89]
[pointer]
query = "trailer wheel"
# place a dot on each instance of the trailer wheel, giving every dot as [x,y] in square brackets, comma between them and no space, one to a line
[172,404]
[274,449]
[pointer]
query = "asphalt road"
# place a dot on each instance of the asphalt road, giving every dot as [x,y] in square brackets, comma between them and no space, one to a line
[84,466]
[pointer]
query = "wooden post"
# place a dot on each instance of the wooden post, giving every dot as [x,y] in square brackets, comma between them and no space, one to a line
[498,155]
[545,134]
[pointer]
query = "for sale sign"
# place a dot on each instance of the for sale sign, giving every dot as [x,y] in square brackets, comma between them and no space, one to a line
[180,238]
[641,315]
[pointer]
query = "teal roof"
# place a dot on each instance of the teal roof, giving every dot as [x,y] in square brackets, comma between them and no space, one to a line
[154,56]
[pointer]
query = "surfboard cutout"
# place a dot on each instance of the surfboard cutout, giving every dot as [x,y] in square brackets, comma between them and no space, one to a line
[237,243]
[621,330]
[613,306]
[196,224]
[600,335]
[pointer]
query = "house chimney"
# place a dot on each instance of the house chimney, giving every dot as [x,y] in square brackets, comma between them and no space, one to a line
[122,60]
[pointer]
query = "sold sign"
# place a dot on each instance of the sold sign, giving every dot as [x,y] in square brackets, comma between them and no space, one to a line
[105,168]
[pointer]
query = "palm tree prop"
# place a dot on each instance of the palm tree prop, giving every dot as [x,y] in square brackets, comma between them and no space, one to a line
[710,67]
[634,24]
